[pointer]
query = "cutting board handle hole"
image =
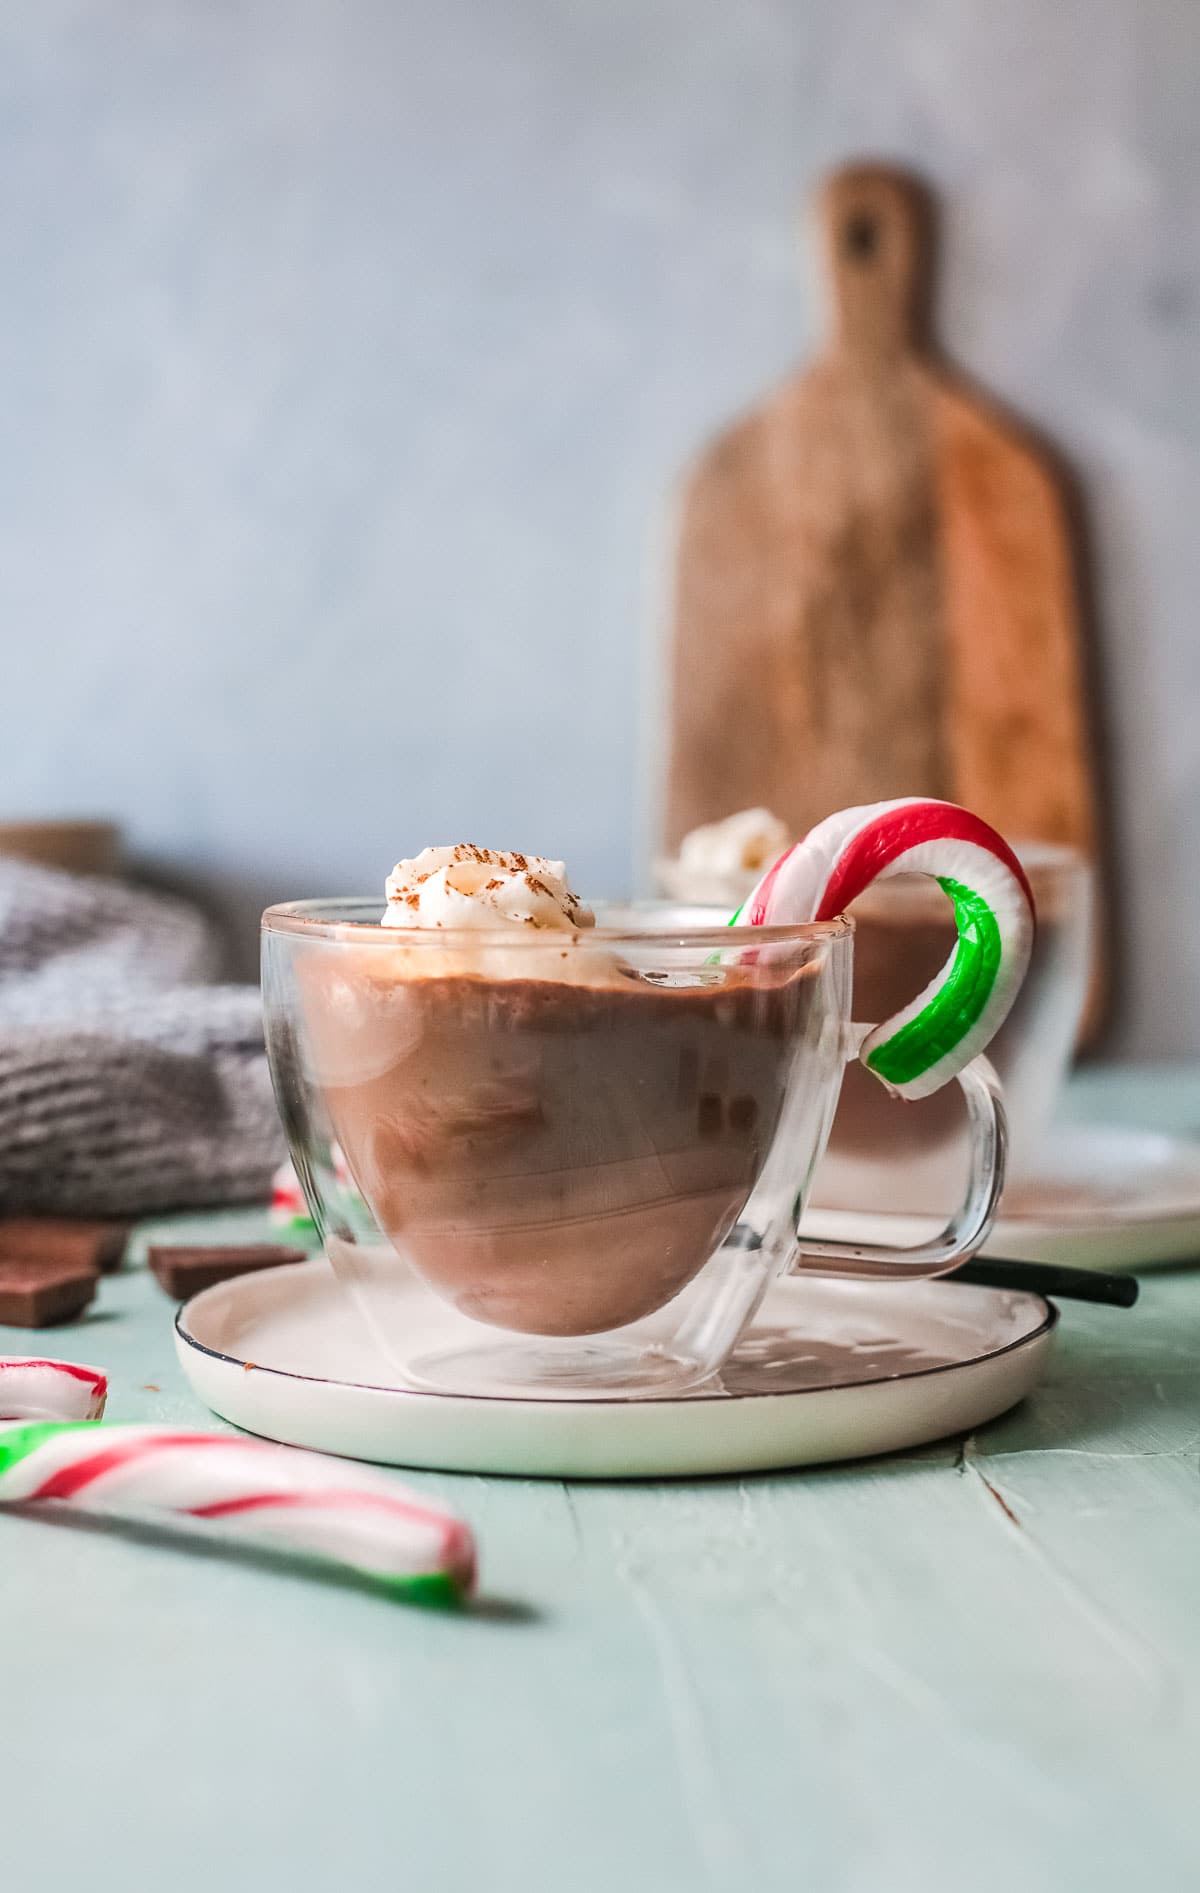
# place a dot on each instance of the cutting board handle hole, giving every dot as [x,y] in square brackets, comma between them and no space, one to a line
[860,237]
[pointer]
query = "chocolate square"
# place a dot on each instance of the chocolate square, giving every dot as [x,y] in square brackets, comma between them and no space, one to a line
[183,1271]
[41,1294]
[87,1243]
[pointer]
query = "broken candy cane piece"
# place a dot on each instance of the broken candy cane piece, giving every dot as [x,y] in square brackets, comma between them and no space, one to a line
[50,1390]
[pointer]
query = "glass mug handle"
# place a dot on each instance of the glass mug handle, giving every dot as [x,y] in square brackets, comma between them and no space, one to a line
[968,1228]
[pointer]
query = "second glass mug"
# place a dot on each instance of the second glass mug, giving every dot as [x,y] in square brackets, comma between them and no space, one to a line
[570,1165]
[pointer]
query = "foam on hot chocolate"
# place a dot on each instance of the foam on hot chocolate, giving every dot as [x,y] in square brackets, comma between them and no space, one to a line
[720,863]
[466,886]
[501,909]
[744,843]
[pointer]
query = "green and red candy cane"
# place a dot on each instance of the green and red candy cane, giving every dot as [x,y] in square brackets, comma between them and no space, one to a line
[52,1451]
[921,1048]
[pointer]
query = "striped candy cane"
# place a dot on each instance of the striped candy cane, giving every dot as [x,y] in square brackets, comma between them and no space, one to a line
[956,1016]
[289,1210]
[50,1390]
[288,1207]
[273,1495]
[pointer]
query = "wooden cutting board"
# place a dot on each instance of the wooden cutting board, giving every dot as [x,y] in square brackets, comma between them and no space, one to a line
[875,592]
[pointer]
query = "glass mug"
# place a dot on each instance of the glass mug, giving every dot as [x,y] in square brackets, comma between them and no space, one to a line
[570,1165]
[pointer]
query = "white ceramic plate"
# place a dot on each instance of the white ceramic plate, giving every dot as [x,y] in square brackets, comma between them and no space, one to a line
[830,1370]
[1099,1197]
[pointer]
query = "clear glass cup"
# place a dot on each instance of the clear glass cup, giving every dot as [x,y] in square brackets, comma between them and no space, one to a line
[568,1165]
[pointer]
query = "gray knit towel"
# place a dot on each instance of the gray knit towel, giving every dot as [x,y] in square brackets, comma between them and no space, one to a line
[127,1083]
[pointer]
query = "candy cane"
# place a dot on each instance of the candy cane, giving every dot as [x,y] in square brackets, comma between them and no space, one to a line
[294,1500]
[288,1207]
[289,1210]
[928,1043]
[50,1390]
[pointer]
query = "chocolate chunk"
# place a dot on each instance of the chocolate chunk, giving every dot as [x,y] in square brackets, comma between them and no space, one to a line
[40,1294]
[183,1272]
[95,1245]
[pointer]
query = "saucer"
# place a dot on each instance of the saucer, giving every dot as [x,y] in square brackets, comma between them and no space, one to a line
[830,1370]
[1095,1197]
[1117,1199]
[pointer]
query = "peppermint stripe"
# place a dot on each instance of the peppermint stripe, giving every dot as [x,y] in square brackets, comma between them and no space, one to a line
[274,1495]
[960,1001]
[878,845]
[761,899]
[36,1389]
[956,1016]
[83,1471]
[91,1376]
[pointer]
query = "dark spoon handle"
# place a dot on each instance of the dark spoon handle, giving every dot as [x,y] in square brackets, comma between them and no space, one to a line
[1047,1278]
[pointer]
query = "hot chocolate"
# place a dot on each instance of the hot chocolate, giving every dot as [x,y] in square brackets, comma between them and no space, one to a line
[558,1153]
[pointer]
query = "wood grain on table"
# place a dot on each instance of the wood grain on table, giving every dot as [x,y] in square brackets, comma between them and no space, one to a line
[971,1667]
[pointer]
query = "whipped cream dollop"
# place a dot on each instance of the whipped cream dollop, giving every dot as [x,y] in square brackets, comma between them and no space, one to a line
[465,886]
[744,843]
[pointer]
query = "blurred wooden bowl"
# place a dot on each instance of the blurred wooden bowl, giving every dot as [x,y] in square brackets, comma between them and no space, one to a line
[75,847]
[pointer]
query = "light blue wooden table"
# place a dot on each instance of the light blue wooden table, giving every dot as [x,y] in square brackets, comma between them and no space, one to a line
[967,1668]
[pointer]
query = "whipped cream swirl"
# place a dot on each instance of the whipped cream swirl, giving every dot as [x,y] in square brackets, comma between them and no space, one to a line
[466,886]
[743,843]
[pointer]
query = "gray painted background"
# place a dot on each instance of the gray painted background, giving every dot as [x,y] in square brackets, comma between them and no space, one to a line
[348,347]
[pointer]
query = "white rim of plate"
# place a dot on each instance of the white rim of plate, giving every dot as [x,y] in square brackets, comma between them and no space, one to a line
[1046,1326]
